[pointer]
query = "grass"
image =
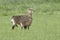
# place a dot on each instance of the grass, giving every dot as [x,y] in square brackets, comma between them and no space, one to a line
[46,19]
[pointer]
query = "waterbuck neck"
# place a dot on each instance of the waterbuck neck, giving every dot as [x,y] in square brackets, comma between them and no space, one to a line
[30,12]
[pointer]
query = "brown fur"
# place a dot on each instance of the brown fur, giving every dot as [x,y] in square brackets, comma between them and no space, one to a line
[23,20]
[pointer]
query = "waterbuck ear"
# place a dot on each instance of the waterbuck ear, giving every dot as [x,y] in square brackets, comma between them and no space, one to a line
[30,8]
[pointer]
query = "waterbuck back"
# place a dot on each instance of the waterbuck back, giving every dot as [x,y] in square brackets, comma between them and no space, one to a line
[23,20]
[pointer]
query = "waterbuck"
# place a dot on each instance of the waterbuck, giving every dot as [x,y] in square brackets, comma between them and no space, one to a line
[23,20]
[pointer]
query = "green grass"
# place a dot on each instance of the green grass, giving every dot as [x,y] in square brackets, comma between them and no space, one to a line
[45,24]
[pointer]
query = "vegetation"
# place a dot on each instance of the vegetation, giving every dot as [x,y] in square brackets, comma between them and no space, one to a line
[46,19]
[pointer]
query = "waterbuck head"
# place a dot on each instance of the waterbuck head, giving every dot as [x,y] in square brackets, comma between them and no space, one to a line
[29,11]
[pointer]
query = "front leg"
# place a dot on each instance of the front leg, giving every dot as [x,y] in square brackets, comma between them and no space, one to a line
[21,26]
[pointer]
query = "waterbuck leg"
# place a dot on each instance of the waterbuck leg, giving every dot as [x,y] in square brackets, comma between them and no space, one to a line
[28,27]
[25,27]
[13,27]
[21,26]
[16,25]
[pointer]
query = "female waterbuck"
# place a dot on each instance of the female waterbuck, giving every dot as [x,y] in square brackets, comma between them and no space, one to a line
[23,20]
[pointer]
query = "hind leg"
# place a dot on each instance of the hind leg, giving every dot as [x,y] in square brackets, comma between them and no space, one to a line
[13,23]
[28,27]
[16,25]
[13,27]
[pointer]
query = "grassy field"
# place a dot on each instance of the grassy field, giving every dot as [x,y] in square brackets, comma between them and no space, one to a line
[46,19]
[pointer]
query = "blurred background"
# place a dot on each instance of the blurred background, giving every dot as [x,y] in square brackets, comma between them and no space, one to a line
[45,24]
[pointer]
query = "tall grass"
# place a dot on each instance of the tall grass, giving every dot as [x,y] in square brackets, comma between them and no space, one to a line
[45,24]
[12,7]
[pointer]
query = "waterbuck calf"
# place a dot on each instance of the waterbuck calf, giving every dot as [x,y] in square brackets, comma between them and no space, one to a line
[23,20]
